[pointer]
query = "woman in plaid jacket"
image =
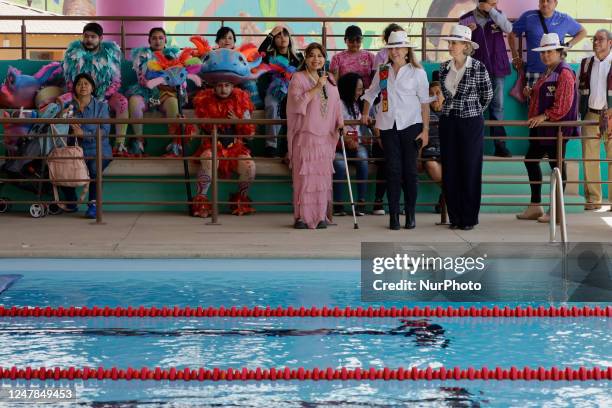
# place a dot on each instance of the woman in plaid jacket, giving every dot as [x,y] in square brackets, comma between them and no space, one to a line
[467,91]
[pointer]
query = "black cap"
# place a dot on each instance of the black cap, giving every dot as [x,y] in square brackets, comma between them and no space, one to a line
[352,31]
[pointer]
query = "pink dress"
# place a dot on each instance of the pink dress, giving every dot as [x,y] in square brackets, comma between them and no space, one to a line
[311,137]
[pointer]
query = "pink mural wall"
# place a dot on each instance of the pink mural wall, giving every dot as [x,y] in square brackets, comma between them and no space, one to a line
[130,8]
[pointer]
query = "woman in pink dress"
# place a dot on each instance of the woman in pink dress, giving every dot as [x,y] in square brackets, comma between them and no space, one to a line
[314,117]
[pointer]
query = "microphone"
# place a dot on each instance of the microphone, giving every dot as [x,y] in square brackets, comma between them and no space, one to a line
[321,73]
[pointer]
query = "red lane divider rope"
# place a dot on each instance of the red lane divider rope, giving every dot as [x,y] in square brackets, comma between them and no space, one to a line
[303,374]
[290,311]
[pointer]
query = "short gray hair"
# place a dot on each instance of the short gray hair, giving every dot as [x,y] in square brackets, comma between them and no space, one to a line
[469,50]
[605,31]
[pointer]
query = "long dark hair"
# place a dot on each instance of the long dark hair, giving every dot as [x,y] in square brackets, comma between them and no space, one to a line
[347,84]
[272,50]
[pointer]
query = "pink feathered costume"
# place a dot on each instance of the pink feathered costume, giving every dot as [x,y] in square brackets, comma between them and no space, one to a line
[312,136]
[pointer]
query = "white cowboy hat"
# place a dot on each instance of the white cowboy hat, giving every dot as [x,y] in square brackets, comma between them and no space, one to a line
[550,41]
[399,39]
[461,33]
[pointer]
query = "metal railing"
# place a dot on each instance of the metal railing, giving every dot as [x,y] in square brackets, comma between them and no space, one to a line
[215,202]
[426,24]
[557,200]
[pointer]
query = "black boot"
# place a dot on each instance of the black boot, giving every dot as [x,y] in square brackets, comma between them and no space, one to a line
[394,223]
[410,220]
[501,150]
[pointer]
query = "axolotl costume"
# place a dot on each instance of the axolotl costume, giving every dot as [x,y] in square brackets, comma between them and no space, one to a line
[225,65]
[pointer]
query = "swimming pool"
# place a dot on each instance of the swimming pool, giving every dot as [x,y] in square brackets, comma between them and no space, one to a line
[222,342]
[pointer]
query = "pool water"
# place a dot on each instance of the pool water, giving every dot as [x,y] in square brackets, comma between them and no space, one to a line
[279,342]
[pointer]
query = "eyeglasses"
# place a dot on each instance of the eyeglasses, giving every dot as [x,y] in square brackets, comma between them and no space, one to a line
[599,39]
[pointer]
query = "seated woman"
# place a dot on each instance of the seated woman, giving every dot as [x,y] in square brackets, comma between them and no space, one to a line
[278,49]
[314,117]
[85,106]
[225,101]
[553,98]
[350,87]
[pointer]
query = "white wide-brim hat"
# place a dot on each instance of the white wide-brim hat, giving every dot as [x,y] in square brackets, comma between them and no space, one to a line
[461,33]
[399,39]
[549,41]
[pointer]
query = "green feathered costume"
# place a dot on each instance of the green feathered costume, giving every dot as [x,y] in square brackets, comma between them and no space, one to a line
[104,66]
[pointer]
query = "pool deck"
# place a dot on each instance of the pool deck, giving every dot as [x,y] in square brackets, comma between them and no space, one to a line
[266,235]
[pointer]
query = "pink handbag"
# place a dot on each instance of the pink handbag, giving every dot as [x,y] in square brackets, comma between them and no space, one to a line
[517,90]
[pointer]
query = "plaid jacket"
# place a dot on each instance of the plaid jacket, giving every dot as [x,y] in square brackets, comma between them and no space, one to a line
[474,92]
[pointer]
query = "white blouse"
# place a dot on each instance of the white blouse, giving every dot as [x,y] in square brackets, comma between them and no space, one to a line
[406,92]
[455,75]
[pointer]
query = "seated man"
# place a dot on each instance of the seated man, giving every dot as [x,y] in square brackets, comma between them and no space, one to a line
[142,98]
[430,154]
[102,60]
[225,101]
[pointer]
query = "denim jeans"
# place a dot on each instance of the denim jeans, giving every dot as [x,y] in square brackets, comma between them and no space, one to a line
[496,108]
[70,192]
[340,173]
[272,109]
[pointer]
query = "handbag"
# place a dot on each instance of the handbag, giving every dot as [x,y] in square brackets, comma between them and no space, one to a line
[517,89]
[67,167]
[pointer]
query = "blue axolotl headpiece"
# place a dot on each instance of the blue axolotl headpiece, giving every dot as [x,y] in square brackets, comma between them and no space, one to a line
[225,65]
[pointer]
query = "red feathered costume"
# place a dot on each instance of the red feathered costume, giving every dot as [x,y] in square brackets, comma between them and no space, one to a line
[210,106]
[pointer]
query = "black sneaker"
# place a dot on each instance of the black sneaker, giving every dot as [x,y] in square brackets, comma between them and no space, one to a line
[360,209]
[270,151]
[378,208]
[299,224]
[502,151]
[339,211]
[322,225]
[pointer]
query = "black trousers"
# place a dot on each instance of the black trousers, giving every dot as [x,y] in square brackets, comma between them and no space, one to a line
[538,150]
[401,166]
[461,149]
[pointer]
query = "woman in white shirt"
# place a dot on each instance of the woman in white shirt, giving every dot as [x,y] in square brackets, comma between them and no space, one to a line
[403,121]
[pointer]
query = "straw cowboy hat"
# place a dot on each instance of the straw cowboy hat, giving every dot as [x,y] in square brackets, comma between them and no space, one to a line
[399,39]
[550,41]
[461,33]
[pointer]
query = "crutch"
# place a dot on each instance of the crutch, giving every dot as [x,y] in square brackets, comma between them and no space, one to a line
[186,174]
[348,179]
